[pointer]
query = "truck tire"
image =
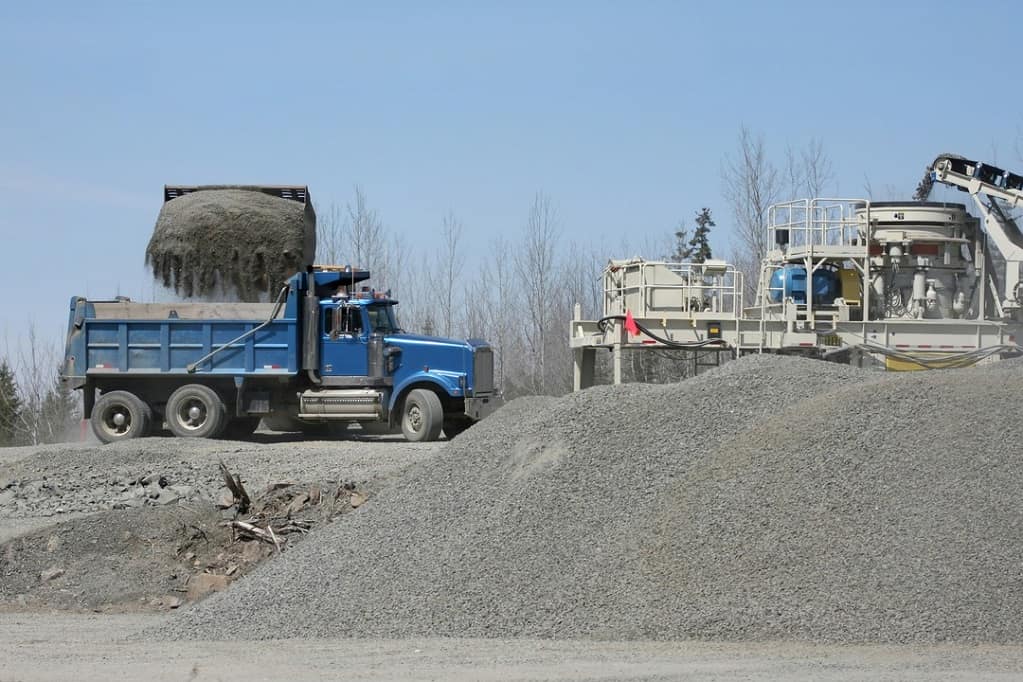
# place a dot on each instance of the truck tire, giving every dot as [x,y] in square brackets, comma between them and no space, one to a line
[422,418]
[240,428]
[195,411]
[120,415]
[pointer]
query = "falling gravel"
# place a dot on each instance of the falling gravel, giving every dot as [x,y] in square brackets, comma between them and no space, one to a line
[236,240]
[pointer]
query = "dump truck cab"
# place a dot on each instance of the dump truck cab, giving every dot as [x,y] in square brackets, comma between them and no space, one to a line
[362,343]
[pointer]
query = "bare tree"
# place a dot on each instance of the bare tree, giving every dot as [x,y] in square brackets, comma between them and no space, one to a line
[450,266]
[47,409]
[367,238]
[506,310]
[536,269]
[407,284]
[889,192]
[330,236]
[579,281]
[752,184]
[492,312]
[809,171]
[478,304]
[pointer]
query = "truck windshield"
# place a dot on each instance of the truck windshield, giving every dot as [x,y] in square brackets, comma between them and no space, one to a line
[381,319]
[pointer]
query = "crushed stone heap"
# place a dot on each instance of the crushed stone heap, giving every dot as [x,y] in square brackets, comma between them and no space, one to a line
[773,498]
[238,240]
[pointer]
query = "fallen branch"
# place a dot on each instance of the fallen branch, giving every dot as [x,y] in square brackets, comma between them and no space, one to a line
[273,537]
[253,531]
[234,484]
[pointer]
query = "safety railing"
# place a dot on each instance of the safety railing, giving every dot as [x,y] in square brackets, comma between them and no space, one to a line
[817,222]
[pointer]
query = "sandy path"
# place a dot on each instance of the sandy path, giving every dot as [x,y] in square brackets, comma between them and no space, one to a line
[91,648]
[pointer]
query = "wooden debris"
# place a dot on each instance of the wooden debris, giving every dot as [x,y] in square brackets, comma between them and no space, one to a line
[275,513]
[234,484]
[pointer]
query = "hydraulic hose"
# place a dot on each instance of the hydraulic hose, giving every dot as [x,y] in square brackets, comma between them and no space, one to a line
[602,325]
[946,361]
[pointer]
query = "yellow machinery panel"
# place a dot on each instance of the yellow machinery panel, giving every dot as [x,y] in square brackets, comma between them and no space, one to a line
[933,359]
[850,281]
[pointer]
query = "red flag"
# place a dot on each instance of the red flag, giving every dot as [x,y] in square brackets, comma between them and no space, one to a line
[630,324]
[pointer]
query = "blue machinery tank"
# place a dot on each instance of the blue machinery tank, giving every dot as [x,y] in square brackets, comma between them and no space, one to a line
[790,282]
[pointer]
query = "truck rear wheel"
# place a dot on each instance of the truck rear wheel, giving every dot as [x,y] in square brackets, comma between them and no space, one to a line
[120,415]
[423,416]
[195,411]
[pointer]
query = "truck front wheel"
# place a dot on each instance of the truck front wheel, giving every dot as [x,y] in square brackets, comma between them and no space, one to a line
[423,416]
[120,415]
[196,411]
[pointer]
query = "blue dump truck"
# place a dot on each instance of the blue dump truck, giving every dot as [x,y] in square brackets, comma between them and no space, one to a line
[327,352]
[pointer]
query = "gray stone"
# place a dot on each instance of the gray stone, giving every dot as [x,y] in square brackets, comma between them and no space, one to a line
[155,479]
[185,491]
[225,498]
[167,496]
[51,574]
[201,584]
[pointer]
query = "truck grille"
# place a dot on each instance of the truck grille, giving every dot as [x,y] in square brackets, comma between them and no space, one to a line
[483,370]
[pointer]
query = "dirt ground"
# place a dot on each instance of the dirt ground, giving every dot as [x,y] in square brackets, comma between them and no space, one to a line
[53,637]
[87,648]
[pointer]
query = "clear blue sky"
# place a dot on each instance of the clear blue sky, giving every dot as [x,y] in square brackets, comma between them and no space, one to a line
[621,112]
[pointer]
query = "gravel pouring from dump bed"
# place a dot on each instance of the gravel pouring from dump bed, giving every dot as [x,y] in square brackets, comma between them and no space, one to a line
[246,241]
[773,498]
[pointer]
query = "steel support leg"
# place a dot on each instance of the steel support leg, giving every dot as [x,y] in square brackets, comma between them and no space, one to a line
[616,361]
[584,361]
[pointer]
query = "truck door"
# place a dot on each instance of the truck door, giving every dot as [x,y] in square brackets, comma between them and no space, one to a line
[343,341]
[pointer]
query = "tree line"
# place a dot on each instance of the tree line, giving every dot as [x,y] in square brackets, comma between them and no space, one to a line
[35,405]
[520,296]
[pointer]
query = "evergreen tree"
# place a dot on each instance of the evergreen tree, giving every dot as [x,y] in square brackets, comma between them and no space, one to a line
[699,245]
[10,406]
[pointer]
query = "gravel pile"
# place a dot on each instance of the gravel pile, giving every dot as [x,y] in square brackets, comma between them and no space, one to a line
[634,511]
[773,498]
[134,526]
[70,478]
[236,239]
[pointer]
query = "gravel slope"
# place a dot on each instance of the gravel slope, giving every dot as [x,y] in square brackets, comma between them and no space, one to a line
[774,497]
[128,526]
